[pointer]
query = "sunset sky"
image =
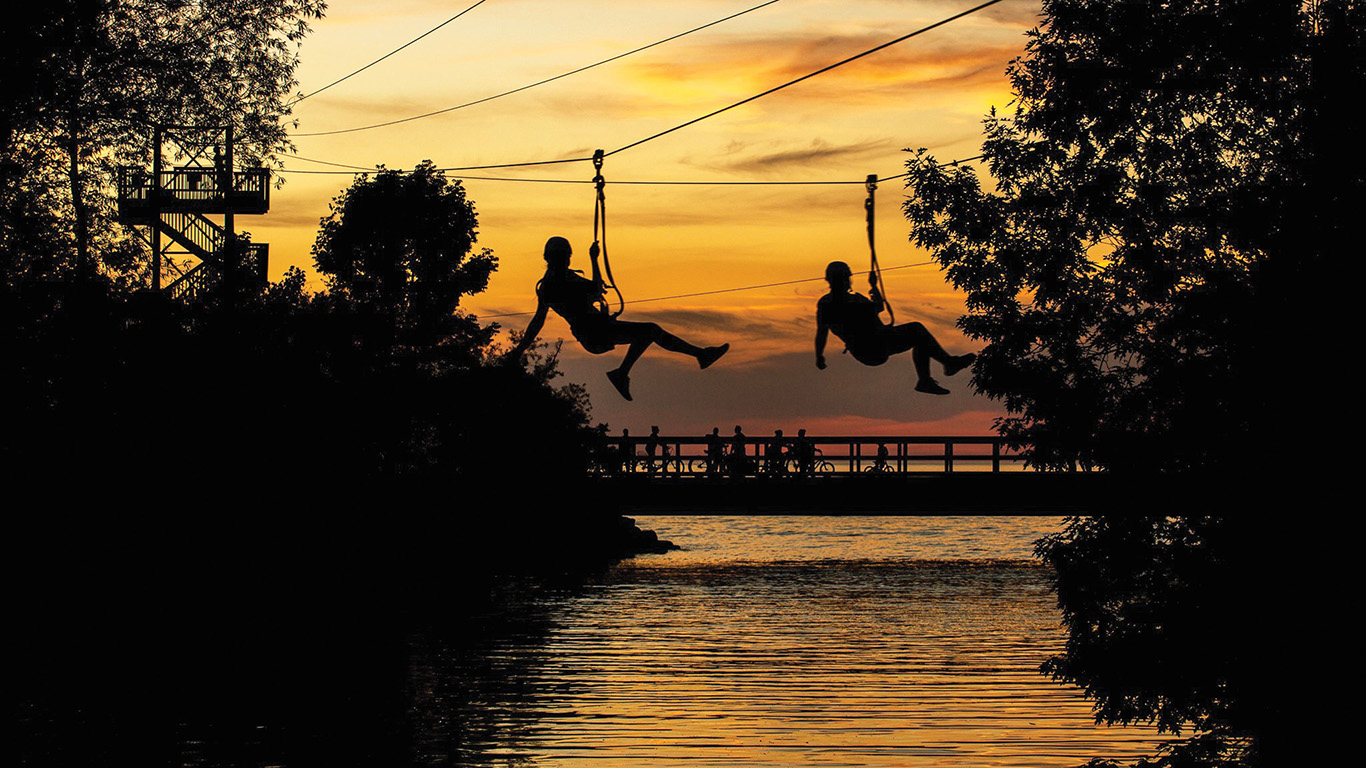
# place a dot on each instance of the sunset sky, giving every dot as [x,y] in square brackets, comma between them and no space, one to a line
[931,91]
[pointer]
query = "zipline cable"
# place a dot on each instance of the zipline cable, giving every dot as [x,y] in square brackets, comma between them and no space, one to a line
[820,71]
[385,56]
[359,168]
[657,183]
[539,82]
[724,290]
[775,89]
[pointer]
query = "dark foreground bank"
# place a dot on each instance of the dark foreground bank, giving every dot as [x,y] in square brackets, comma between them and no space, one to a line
[240,638]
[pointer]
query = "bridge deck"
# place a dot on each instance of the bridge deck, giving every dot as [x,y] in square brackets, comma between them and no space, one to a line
[962,493]
[885,475]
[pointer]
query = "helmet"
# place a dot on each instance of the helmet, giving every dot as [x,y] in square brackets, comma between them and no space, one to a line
[838,269]
[557,246]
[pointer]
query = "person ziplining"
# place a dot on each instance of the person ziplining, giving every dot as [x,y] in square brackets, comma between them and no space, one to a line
[582,302]
[856,320]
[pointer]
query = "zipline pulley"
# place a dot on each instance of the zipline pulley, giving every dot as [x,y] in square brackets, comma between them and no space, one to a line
[600,221]
[875,284]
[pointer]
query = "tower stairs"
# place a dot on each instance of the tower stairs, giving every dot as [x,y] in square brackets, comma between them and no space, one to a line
[171,208]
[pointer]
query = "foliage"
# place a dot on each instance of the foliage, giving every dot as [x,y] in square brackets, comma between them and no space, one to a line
[1153,263]
[1194,623]
[85,81]
[136,391]
[1165,199]
[240,477]
[397,249]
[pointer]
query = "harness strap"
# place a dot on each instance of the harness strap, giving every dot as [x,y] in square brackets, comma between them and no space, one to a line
[600,218]
[875,270]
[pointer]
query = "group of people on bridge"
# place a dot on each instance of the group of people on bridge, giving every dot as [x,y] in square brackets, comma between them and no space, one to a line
[724,456]
[854,318]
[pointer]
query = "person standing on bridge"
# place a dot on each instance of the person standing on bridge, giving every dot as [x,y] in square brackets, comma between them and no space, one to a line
[627,451]
[739,462]
[716,451]
[583,304]
[775,458]
[854,318]
[651,443]
[805,453]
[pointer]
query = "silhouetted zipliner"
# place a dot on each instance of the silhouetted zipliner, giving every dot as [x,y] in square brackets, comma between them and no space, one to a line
[854,318]
[582,303]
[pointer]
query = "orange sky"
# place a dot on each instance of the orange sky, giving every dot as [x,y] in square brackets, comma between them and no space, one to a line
[931,91]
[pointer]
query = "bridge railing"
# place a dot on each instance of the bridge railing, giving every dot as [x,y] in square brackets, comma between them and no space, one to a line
[673,456]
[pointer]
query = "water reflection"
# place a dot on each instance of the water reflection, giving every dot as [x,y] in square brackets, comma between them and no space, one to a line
[766,643]
[848,663]
[771,641]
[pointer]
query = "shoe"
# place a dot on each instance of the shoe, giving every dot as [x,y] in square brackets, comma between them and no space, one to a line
[710,355]
[621,381]
[959,363]
[930,387]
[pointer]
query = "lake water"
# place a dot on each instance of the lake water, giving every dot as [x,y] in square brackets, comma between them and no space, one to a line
[775,641]
[768,641]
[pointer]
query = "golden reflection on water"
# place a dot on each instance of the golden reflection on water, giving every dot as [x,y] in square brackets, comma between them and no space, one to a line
[798,641]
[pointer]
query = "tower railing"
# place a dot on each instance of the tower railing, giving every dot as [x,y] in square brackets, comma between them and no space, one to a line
[193,188]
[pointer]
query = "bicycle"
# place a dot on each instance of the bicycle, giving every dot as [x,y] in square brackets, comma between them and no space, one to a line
[817,465]
[709,466]
[880,464]
[667,465]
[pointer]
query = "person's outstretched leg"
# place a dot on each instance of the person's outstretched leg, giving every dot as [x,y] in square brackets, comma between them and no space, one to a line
[924,348]
[640,336]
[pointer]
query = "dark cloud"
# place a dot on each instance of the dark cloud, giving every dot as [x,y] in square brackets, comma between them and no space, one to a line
[1013,13]
[937,315]
[778,58]
[817,153]
[724,323]
[294,211]
[681,216]
[770,393]
[703,206]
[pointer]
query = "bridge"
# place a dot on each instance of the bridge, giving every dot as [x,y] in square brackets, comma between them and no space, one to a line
[834,475]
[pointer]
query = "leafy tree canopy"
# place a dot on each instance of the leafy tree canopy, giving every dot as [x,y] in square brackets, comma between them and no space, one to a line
[1153,263]
[1166,198]
[398,247]
[84,82]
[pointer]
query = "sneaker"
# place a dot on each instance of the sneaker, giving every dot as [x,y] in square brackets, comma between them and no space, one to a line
[621,381]
[709,356]
[930,386]
[959,363]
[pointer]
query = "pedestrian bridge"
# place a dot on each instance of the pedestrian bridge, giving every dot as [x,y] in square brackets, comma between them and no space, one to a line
[801,456]
[828,474]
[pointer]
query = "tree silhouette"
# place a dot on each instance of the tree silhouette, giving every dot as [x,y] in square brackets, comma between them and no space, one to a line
[1178,621]
[397,248]
[1166,199]
[1167,203]
[85,81]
